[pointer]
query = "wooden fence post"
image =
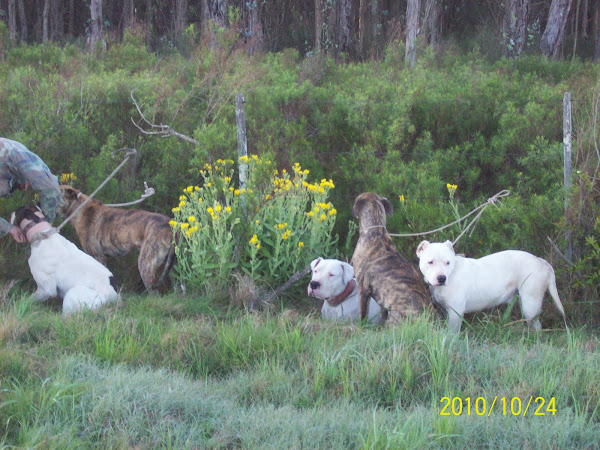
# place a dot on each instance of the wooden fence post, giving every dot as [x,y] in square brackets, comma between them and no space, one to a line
[567,146]
[242,143]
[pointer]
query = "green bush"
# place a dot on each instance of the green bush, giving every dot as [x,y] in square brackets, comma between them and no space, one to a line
[268,230]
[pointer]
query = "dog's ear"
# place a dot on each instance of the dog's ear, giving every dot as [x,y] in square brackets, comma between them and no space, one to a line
[389,210]
[358,206]
[347,272]
[450,245]
[68,192]
[421,248]
[315,262]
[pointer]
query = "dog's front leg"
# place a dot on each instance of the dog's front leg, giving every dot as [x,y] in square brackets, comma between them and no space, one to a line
[46,287]
[454,321]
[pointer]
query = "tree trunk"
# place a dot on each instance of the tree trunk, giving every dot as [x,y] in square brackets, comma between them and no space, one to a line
[344,33]
[515,27]
[584,18]
[128,14]
[362,27]
[433,15]
[96,35]
[181,10]
[255,28]
[413,10]
[22,19]
[12,20]
[45,17]
[553,36]
[212,14]
[596,24]
[318,26]
[374,25]
[56,21]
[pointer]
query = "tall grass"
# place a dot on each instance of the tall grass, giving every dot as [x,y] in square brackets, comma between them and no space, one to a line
[133,376]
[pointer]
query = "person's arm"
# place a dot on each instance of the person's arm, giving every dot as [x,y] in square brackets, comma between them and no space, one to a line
[33,170]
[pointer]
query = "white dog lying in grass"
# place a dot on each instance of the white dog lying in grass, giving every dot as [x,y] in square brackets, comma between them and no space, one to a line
[464,285]
[60,269]
[333,281]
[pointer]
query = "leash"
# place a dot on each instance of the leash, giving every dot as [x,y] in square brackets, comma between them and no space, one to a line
[480,209]
[130,152]
[148,192]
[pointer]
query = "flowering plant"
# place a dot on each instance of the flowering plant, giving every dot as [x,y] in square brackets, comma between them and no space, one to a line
[268,229]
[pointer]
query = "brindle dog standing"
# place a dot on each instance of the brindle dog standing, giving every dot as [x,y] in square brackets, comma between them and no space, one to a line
[105,231]
[380,270]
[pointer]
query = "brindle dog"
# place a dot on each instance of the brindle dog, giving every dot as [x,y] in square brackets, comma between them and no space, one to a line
[105,231]
[380,270]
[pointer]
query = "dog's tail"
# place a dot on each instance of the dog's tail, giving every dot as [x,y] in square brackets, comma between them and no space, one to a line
[554,291]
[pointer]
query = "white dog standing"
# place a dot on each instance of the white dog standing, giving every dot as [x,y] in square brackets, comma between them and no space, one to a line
[333,281]
[60,269]
[464,285]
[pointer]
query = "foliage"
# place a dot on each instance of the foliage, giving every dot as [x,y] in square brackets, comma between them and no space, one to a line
[269,229]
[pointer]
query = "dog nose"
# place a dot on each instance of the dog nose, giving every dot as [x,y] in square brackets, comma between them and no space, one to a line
[314,285]
[441,279]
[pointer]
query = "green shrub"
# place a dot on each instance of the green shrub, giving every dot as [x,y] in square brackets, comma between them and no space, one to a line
[269,230]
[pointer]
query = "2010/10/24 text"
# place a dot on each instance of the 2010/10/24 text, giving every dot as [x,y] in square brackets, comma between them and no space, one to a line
[514,406]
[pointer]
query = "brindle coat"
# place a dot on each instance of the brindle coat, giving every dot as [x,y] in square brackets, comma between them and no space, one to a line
[380,270]
[105,231]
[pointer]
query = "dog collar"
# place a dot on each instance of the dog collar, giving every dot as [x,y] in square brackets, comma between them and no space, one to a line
[41,236]
[372,226]
[338,299]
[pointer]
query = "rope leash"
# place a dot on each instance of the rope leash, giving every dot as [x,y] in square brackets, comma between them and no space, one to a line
[148,192]
[130,152]
[480,209]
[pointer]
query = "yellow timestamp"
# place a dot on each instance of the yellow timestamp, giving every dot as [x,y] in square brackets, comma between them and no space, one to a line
[538,406]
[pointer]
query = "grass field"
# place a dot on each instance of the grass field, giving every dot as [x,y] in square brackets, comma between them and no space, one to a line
[181,373]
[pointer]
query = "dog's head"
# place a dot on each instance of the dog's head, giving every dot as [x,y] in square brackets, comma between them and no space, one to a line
[436,261]
[25,215]
[329,278]
[372,208]
[70,196]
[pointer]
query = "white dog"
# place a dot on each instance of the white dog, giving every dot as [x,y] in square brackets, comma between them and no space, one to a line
[333,281]
[464,285]
[60,269]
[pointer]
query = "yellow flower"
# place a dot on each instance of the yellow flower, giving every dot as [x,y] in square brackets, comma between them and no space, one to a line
[228,209]
[286,235]
[255,157]
[333,212]
[268,197]
[210,210]
[172,223]
[258,246]
[208,184]
[323,217]
[451,187]
[306,171]
[182,197]
[300,244]
[401,197]
[184,226]
[218,208]
[176,209]
[310,214]
[196,188]
[199,199]
[254,239]
[236,192]
[257,221]
[232,189]
[191,219]
[181,203]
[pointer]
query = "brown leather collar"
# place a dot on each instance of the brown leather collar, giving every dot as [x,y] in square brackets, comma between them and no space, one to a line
[338,299]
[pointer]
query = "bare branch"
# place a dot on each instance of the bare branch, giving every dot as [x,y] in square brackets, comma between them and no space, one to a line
[159,130]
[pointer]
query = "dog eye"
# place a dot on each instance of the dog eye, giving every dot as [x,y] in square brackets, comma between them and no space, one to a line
[430,262]
[331,275]
[447,263]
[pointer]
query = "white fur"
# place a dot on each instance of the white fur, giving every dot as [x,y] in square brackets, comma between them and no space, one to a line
[464,285]
[329,279]
[60,269]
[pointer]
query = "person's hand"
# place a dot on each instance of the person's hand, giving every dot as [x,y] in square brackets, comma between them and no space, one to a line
[17,235]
